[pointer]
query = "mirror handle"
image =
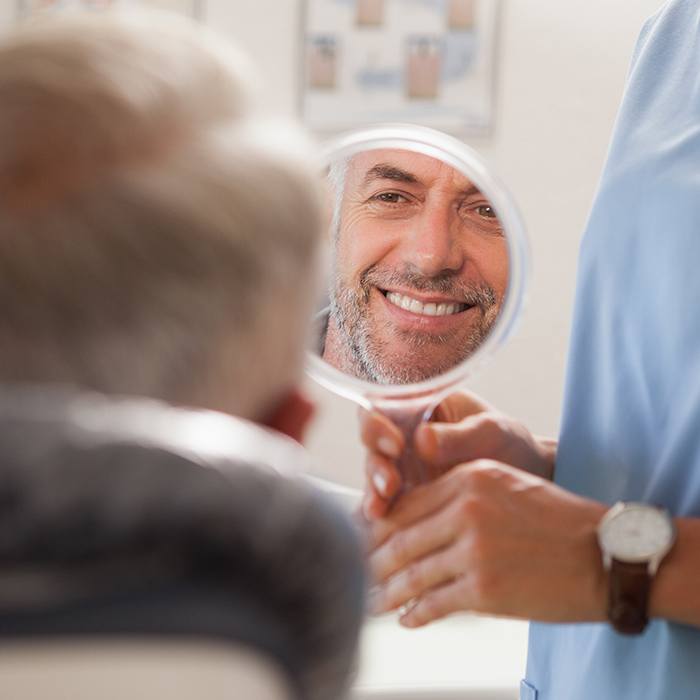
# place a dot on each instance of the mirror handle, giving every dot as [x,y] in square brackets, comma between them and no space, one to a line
[407,416]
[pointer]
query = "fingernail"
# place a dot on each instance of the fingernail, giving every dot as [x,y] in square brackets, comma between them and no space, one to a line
[388,447]
[380,484]
[428,441]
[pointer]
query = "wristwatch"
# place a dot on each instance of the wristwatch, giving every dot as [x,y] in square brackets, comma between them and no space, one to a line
[633,538]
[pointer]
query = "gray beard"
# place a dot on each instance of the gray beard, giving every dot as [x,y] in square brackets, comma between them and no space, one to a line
[371,359]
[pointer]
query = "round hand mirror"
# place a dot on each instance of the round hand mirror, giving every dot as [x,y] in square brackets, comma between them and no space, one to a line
[428,263]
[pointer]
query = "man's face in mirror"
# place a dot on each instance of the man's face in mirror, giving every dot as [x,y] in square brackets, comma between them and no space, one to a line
[420,267]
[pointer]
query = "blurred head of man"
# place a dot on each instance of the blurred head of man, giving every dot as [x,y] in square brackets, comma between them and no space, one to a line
[420,267]
[156,237]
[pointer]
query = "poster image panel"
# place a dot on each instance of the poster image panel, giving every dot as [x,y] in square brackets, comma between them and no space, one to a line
[431,62]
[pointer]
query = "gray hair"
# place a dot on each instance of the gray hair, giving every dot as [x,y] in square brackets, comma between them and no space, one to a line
[156,237]
[337,175]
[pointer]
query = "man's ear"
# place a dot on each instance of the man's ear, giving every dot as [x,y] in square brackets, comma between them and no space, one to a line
[291,416]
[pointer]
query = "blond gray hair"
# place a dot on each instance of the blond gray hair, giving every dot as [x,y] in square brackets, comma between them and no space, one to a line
[156,238]
[337,175]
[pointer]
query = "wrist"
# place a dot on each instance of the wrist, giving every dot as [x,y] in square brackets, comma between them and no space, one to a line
[547,450]
[585,582]
[671,587]
[597,581]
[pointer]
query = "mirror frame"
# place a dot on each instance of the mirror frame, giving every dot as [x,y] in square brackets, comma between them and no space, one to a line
[457,154]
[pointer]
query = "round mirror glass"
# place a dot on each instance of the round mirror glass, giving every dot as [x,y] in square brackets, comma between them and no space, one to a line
[426,265]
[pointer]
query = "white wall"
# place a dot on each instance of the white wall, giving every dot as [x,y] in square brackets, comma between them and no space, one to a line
[562,70]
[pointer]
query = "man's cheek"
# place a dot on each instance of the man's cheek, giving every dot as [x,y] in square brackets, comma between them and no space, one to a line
[493,267]
[371,251]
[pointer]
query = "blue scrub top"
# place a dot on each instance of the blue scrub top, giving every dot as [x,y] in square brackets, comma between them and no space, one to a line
[631,427]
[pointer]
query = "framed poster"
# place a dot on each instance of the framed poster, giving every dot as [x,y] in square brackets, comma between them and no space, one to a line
[190,8]
[431,62]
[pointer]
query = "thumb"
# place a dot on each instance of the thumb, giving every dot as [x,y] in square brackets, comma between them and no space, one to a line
[442,445]
[460,405]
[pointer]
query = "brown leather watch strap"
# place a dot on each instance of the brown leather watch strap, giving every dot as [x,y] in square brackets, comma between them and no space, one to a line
[629,597]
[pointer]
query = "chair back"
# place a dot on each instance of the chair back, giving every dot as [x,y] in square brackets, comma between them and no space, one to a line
[125,669]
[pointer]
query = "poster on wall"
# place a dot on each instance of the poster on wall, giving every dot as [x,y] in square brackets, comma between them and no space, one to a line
[431,62]
[29,8]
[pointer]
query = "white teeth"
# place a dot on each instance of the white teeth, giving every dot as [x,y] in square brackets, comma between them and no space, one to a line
[417,307]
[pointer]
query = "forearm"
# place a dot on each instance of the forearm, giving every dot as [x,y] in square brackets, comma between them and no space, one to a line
[675,593]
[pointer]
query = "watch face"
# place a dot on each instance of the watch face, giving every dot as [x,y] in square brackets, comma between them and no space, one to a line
[636,533]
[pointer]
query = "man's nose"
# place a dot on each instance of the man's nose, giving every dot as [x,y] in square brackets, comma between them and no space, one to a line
[432,245]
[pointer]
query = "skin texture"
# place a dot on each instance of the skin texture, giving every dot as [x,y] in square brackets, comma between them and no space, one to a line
[410,224]
[291,415]
[491,533]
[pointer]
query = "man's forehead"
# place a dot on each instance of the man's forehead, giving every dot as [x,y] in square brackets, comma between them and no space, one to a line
[404,166]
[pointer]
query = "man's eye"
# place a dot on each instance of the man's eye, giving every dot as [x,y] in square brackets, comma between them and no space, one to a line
[476,210]
[390,197]
[486,211]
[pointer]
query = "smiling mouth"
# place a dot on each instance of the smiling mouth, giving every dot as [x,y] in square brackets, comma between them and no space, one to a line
[424,309]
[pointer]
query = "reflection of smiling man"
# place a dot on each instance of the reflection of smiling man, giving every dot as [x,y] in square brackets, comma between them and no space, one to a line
[420,268]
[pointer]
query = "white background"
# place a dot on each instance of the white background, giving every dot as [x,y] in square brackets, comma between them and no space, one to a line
[561,74]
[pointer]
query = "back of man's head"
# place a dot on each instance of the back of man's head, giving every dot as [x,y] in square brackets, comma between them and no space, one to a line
[155,239]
